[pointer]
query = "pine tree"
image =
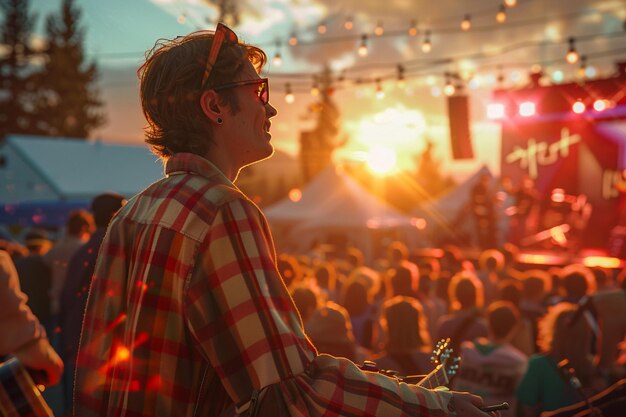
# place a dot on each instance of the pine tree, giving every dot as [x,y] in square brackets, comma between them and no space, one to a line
[16,69]
[68,104]
[318,145]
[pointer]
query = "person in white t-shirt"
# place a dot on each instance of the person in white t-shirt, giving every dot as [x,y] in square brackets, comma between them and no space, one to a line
[492,367]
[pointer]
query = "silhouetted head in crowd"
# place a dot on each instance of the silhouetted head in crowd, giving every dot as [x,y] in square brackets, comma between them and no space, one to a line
[491,260]
[289,268]
[326,276]
[80,223]
[307,299]
[37,241]
[104,206]
[355,297]
[502,317]
[330,330]
[405,325]
[355,257]
[430,267]
[510,290]
[577,281]
[452,259]
[536,285]
[397,252]
[510,252]
[401,282]
[466,291]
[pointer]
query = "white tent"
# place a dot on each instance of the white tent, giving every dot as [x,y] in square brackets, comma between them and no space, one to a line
[332,205]
[446,217]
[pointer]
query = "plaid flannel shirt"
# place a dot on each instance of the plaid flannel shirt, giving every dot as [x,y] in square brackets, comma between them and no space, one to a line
[187,314]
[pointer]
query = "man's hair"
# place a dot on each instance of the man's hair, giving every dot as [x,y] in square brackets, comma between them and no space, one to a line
[79,222]
[502,316]
[171,79]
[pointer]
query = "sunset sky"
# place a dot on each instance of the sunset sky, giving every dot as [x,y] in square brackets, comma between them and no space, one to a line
[535,32]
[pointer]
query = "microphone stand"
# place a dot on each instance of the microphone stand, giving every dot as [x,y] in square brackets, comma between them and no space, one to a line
[569,374]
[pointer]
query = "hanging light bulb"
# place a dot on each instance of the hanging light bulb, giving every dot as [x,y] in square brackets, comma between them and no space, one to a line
[380,94]
[289,97]
[448,88]
[413,28]
[293,39]
[379,30]
[572,54]
[500,77]
[278,59]
[426,45]
[321,29]
[466,24]
[582,69]
[400,82]
[315,90]
[348,25]
[363,48]
[501,15]
[182,18]
[510,3]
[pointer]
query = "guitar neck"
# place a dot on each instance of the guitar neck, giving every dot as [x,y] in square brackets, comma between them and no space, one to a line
[438,377]
[19,396]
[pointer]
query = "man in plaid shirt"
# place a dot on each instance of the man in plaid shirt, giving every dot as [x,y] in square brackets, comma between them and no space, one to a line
[187,314]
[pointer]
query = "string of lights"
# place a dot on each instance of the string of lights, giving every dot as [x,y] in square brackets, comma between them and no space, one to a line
[297,82]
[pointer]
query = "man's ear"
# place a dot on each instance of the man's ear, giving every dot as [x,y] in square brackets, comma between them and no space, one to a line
[211,107]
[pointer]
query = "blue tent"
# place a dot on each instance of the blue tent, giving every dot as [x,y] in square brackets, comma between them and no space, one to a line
[49,214]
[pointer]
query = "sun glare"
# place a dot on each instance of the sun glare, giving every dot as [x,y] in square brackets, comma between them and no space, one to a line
[397,130]
[381,160]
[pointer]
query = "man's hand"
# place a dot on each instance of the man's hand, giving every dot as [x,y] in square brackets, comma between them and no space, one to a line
[468,405]
[40,356]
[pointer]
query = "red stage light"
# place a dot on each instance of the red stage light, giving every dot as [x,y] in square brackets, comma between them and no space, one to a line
[579,107]
[600,105]
[527,109]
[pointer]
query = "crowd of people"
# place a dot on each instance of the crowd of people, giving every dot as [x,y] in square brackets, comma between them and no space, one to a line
[511,325]
[175,302]
[517,331]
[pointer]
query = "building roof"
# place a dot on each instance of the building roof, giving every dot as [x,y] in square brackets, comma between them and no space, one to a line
[79,169]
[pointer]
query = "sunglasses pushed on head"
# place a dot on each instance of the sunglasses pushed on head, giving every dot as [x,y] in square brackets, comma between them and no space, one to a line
[224,33]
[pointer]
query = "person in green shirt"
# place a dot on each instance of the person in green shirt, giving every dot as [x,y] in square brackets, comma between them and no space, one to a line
[544,387]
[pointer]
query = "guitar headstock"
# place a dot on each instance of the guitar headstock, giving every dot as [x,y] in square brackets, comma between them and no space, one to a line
[447,365]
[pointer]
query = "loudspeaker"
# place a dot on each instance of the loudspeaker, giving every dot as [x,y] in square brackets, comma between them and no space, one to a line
[460,138]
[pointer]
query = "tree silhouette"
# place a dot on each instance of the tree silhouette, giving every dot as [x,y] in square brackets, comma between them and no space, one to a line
[318,145]
[68,102]
[16,70]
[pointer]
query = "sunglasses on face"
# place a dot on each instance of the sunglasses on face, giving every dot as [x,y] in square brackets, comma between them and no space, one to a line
[262,88]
